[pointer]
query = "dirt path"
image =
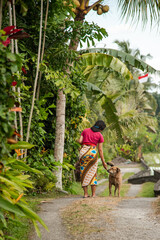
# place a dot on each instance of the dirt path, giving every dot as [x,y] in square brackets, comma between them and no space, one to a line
[131,219]
[50,214]
[134,220]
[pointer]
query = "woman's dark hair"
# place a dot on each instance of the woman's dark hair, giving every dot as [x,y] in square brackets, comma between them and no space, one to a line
[98,126]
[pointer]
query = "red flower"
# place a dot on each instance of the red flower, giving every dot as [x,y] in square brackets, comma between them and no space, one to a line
[14,83]
[24,70]
[10,30]
[13,34]
[122,149]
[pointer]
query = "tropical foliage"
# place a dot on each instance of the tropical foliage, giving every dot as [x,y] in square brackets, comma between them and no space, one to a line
[49,92]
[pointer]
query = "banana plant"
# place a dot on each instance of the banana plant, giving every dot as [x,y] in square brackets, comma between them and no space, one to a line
[124,57]
[96,71]
[92,60]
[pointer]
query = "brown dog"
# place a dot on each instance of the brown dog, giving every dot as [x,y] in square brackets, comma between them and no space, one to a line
[115,178]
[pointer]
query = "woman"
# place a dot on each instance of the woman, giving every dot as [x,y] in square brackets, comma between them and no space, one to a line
[88,156]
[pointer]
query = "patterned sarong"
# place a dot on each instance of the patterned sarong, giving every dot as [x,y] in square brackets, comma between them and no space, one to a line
[88,165]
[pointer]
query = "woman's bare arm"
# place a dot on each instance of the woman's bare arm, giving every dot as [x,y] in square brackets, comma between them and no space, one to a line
[100,150]
[80,140]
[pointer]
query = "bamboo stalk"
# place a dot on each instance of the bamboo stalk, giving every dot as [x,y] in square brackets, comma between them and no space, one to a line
[11,23]
[43,45]
[1,8]
[12,50]
[36,77]
[19,91]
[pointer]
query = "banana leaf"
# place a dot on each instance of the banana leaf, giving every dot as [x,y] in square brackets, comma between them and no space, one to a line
[125,57]
[112,117]
[107,61]
[8,206]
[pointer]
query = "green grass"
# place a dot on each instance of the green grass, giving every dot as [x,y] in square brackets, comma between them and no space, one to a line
[123,191]
[76,189]
[147,190]
[21,228]
[127,175]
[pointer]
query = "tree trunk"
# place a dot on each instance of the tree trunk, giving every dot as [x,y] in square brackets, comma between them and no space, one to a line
[60,132]
[60,121]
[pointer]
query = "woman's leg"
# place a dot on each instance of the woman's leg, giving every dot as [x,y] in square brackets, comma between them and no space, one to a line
[93,189]
[85,189]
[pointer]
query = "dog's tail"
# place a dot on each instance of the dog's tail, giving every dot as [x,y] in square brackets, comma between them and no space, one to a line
[110,164]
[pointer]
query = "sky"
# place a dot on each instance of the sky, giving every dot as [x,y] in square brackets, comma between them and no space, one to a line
[146,40]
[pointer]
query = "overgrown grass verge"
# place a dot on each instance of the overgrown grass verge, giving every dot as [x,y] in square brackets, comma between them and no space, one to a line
[83,216]
[21,228]
[76,189]
[123,191]
[147,190]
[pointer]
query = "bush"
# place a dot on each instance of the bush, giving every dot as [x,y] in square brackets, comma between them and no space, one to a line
[126,151]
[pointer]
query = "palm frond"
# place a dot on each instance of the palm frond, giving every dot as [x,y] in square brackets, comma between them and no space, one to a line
[112,117]
[140,10]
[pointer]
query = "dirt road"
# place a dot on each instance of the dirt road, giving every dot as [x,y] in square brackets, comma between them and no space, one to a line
[131,219]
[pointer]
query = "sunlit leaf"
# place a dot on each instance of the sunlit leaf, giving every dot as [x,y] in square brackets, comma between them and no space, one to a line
[22,145]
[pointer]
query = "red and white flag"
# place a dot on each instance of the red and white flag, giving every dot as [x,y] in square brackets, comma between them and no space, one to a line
[143,78]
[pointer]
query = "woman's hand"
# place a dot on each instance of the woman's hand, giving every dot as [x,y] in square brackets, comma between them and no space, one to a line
[105,165]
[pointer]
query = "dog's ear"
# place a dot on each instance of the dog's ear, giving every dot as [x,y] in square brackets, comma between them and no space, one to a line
[118,170]
[110,164]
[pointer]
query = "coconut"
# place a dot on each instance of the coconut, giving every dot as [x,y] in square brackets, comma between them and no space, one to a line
[99,11]
[105,8]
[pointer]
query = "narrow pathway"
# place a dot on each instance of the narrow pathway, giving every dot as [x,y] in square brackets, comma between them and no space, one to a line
[134,188]
[50,214]
[132,218]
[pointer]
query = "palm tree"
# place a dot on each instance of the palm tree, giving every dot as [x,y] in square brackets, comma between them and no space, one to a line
[139,9]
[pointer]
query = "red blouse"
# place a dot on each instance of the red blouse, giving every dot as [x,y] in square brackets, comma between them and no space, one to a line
[91,138]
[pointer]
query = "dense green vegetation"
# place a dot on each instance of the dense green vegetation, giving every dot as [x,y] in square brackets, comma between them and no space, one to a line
[50,92]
